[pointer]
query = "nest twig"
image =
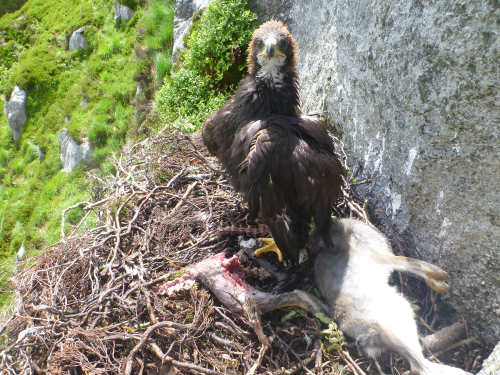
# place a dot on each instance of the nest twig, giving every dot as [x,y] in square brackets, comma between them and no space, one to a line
[86,305]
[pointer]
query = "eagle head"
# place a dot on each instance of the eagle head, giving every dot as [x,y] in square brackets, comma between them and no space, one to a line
[272,53]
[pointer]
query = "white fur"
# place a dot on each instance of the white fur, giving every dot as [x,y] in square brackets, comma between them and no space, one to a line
[353,277]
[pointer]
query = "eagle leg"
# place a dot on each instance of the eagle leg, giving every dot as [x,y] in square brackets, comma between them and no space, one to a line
[270,246]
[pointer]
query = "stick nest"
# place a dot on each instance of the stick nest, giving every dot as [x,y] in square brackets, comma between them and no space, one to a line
[86,305]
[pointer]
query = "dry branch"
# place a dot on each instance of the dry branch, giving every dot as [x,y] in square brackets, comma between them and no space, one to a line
[86,305]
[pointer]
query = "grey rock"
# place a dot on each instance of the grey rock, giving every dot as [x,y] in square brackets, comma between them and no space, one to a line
[15,111]
[183,19]
[77,40]
[138,91]
[266,10]
[20,253]
[123,12]
[84,102]
[491,366]
[73,154]
[412,90]
[40,153]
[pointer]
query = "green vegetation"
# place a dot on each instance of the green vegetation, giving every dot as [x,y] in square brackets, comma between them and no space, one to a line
[158,36]
[34,54]
[9,6]
[335,338]
[211,66]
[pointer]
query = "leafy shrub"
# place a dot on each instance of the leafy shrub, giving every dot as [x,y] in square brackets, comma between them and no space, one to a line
[212,64]
[38,65]
[4,76]
[185,98]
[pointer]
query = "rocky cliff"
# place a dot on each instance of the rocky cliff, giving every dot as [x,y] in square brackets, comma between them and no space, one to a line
[412,88]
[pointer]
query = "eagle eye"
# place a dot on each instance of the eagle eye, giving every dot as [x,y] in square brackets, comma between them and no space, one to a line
[259,43]
[283,44]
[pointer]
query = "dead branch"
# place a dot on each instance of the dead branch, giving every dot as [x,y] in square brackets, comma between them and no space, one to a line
[86,304]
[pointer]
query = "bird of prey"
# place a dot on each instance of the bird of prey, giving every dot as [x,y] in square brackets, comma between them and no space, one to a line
[283,162]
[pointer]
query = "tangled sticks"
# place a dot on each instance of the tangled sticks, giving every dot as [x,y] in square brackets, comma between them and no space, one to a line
[86,305]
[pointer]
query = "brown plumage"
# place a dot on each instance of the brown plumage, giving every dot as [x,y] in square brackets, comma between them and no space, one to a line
[283,162]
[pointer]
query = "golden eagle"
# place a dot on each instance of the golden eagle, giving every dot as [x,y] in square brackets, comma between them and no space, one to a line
[283,162]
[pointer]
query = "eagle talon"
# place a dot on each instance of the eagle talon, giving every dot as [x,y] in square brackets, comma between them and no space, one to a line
[271,246]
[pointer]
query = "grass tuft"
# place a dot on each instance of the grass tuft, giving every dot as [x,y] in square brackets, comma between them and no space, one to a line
[163,64]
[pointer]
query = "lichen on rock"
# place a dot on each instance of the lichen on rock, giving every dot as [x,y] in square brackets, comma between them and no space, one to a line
[491,366]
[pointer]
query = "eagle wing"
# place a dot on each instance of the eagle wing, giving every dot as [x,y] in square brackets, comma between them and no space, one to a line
[289,170]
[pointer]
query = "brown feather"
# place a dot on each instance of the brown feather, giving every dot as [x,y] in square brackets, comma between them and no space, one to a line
[282,161]
[281,31]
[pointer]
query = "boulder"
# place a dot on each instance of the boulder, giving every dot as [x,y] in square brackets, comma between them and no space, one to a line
[412,90]
[183,19]
[491,366]
[15,111]
[73,154]
[84,102]
[77,40]
[123,12]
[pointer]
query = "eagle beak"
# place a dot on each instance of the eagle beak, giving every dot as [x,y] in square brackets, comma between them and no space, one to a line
[270,50]
[271,47]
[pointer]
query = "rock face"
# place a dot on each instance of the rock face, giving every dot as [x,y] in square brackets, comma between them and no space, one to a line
[412,89]
[123,12]
[183,19]
[15,110]
[492,365]
[77,40]
[272,9]
[73,154]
